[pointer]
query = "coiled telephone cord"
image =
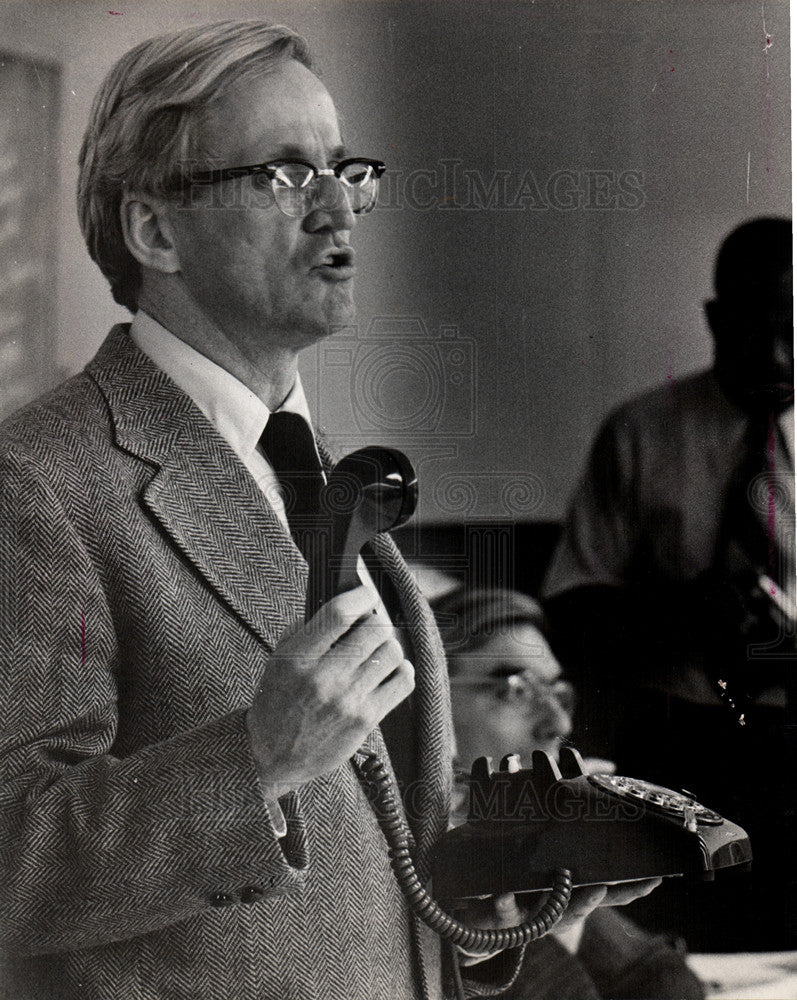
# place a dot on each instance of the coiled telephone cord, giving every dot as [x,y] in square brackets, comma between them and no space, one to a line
[374,773]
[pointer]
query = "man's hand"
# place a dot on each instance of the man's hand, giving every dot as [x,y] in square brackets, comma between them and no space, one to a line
[326,686]
[588,898]
[505,911]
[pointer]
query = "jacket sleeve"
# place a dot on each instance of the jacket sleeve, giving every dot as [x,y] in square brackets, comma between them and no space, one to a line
[96,848]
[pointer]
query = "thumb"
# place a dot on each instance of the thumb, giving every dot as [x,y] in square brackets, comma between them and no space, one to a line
[507,911]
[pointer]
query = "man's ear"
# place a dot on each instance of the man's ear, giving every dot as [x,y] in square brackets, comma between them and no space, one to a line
[148,233]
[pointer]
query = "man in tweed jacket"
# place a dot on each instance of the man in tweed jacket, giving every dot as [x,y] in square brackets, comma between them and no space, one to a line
[180,815]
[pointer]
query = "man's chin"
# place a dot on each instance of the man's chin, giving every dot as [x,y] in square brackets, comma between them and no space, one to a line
[311,331]
[339,320]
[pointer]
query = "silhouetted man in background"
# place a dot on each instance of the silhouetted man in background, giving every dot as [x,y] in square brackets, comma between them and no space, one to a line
[672,590]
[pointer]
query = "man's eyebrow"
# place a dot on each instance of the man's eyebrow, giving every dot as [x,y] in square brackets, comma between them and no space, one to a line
[503,670]
[291,152]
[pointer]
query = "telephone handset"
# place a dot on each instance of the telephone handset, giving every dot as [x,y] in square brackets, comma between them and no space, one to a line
[369,491]
[527,830]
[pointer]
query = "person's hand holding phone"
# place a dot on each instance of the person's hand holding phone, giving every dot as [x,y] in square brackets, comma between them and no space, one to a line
[326,686]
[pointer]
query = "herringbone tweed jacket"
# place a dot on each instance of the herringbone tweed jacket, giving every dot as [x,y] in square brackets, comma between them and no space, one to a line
[145,581]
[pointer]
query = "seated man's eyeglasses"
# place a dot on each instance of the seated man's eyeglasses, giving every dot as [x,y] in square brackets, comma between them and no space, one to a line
[511,685]
[297,185]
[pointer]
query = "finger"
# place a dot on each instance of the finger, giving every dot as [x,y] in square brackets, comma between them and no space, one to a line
[378,667]
[501,911]
[598,765]
[507,911]
[584,900]
[362,642]
[627,892]
[588,895]
[342,611]
[334,619]
[393,691]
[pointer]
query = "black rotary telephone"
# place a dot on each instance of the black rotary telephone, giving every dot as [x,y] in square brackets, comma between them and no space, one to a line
[544,829]
[524,824]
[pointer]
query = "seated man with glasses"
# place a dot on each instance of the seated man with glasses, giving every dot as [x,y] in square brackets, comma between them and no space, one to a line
[183,814]
[508,695]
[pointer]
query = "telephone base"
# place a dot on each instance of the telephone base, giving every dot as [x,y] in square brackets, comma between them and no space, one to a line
[524,824]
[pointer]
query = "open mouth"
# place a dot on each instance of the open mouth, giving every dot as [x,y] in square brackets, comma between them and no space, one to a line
[337,264]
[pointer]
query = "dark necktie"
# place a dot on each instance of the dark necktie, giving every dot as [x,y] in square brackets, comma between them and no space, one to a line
[287,443]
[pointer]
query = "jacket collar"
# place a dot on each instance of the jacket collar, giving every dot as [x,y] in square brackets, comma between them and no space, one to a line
[199,492]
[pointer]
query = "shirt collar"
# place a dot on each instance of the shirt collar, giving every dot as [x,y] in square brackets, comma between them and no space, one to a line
[233,409]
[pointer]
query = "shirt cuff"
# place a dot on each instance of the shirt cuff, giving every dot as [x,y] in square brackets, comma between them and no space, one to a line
[276,815]
[468,958]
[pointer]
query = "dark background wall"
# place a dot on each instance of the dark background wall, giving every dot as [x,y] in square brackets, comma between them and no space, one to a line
[561,173]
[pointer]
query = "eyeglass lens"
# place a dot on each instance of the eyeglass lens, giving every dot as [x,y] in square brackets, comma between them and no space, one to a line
[520,687]
[297,189]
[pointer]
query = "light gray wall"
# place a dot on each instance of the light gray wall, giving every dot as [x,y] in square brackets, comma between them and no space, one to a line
[508,329]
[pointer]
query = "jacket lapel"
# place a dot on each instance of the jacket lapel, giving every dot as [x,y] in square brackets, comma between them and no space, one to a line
[200,492]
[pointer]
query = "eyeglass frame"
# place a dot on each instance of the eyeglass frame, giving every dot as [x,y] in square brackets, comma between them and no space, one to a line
[513,684]
[205,178]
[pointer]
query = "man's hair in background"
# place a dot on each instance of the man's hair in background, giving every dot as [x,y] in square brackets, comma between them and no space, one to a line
[467,618]
[144,122]
[752,258]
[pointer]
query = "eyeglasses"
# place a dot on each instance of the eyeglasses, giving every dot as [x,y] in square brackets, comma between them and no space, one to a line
[521,688]
[296,184]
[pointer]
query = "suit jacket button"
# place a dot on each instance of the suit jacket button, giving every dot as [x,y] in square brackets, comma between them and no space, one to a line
[221,899]
[251,894]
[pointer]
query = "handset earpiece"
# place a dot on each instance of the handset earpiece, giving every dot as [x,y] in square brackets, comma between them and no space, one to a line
[369,491]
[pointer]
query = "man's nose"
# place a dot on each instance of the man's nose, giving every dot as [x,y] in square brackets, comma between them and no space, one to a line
[551,721]
[331,206]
